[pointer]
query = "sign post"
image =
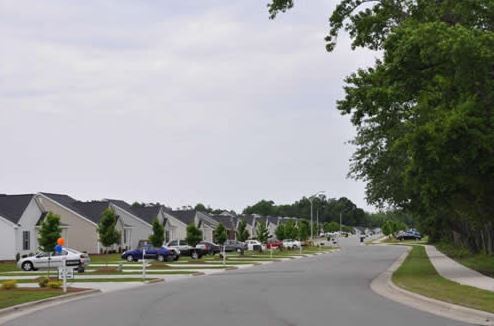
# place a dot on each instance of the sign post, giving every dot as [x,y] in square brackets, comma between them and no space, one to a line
[144,262]
[64,269]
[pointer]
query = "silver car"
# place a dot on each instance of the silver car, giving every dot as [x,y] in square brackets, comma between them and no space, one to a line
[43,260]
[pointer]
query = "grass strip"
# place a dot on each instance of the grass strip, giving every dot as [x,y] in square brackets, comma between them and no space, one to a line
[417,274]
[17,296]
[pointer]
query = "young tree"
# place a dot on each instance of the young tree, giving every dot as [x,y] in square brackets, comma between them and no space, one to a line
[242,232]
[158,236]
[108,234]
[291,230]
[262,232]
[303,230]
[49,232]
[280,232]
[331,227]
[220,235]
[194,235]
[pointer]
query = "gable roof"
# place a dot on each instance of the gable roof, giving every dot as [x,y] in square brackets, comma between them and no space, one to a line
[121,204]
[92,210]
[249,219]
[185,216]
[229,222]
[59,198]
[148,214]
[13,206]
[273,219]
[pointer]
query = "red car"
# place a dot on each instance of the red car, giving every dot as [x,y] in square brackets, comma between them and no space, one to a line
[274,244]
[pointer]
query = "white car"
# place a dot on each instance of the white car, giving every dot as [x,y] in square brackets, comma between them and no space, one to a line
[43,260]
[254,245]
[291,244]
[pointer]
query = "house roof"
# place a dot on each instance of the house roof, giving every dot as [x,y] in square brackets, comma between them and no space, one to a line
[249,219]
[13,206]
[185,216]
[121,204]
[273,219]
[62,199]
[229,222]
[148,214]
[92,210]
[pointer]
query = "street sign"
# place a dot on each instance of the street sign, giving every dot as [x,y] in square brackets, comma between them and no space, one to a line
[65,273]
[72,262]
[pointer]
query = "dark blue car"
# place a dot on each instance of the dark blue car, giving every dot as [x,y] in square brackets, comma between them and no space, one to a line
[161,254]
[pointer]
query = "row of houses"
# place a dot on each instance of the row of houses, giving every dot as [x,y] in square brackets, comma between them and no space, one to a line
[22,215]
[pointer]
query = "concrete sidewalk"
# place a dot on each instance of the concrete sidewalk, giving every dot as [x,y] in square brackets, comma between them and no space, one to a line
[456,272]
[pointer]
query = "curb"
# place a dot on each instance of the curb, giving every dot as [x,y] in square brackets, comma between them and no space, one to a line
[384,286]
[63,297]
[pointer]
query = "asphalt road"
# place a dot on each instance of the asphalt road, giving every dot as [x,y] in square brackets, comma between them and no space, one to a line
[323,290]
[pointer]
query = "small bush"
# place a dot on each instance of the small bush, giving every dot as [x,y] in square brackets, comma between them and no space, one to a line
[10,284]
[54,284]
[43,282]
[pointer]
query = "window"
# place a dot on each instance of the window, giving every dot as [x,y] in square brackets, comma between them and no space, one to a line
[26,240]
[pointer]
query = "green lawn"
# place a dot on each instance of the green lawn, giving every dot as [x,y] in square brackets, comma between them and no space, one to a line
[482,263]
[8,267]
[131,278]
[417,274]
[18,296]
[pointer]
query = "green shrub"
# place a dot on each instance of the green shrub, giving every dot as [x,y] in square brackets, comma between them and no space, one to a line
[43,282]
[54,284]
[10,284]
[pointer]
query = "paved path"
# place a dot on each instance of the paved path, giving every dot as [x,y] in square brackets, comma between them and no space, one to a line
[330,289]
[456,272]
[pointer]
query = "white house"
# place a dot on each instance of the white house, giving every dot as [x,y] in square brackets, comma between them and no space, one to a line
[18,217]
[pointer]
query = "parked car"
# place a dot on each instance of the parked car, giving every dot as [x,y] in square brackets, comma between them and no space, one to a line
[161,254]
[291,244]
[185,250]
[274,244]
[255,245]
[408,235]
[235,245]
[211,248]
[44,260]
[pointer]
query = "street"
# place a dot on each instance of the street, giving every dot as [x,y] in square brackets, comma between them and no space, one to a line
[330,289]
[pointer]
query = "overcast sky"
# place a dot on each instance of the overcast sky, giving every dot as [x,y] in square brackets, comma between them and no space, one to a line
[175,102]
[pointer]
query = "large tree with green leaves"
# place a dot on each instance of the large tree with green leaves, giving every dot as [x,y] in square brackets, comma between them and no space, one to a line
[194,235]
[424,111]
[242,232]
[262,232]
[220,234]
[158,236]
[49,232]
[107,231]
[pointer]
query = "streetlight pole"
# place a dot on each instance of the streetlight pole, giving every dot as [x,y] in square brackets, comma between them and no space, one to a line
[311,198]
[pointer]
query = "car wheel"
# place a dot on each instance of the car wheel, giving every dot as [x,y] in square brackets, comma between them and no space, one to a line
[81,270]
[161,258]
[169,258]
[194,255]
[130,258]
[239,250]
[27,266]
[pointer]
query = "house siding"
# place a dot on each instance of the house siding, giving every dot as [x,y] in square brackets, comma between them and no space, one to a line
[7,240]
[28,222]
[177,229]
[139,230]
[80,233]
